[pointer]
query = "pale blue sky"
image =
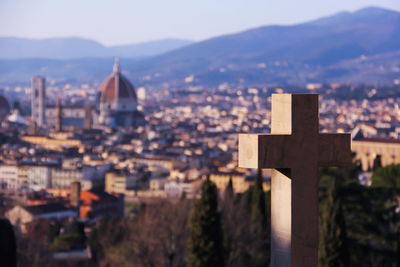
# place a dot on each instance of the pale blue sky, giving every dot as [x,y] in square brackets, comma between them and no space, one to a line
[131,21]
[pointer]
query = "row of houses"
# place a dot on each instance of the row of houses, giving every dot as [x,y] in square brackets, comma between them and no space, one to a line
[65,204]
[43,176]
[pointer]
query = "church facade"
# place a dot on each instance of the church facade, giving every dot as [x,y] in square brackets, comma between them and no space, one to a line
[117,106]
[70,117]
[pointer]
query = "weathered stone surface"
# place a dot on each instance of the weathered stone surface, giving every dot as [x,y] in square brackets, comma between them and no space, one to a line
[295,149]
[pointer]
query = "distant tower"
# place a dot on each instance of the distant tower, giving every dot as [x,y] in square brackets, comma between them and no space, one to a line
[38,100]
[88,120]
[59,116]
[75,194]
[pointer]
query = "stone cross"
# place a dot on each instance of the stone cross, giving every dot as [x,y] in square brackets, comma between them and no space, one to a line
[294,149]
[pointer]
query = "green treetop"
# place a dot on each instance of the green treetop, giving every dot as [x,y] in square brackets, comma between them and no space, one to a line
[205,234]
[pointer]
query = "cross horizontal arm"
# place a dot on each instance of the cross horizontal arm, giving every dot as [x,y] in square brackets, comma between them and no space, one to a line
[263,150]
[334,150]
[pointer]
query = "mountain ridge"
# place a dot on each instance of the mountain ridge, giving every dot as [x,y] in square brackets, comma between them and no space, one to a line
[339,48]
[78,47]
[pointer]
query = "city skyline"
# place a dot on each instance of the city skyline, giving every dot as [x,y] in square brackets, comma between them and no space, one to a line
[278,145]
[142,22]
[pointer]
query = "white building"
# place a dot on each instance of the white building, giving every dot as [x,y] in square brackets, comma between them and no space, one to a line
[86,175]
[8,176]
[39,177]
[175,189]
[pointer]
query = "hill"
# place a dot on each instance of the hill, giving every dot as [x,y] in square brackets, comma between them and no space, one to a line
[361,46]
[70,48]
[322,43]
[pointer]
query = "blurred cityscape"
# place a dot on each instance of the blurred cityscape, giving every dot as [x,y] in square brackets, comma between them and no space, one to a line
[83,152]
[74,152]
[161,143]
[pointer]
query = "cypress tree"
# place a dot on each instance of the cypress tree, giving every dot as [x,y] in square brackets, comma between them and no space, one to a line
[229,192]
[246,199]
[388,177]
[8,244]
[258,207]
[205,234]
[333,250]
[259,224]
[228,217]
[77,229]
[53,231]
[398,245]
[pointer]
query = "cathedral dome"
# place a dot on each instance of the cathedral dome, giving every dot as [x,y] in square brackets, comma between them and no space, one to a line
[116,86]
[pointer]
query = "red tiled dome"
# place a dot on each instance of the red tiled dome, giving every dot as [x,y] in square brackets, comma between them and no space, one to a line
[117,86]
